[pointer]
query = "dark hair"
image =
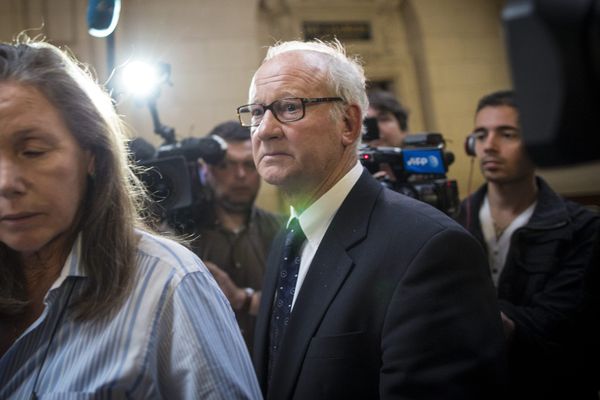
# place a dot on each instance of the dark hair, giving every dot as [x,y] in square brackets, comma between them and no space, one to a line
[496,99]
[386,102]
[107,216]
[231,131]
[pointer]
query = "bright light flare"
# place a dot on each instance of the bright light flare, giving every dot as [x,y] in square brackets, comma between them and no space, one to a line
[141,79]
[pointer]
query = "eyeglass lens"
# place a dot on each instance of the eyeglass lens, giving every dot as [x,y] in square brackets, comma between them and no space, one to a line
[285,110]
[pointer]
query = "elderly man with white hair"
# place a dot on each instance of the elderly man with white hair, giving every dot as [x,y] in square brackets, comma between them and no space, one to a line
[370,294]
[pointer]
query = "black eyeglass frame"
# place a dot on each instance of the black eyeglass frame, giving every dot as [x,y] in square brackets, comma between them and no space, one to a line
[303,100]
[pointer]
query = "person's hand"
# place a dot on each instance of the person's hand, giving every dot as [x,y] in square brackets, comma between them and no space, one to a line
[508,325]
[381,175]
[385,173]
[238,297]
[235,295]
[255,303]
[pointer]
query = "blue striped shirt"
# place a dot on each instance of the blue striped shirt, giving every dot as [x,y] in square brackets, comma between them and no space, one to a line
[174,337]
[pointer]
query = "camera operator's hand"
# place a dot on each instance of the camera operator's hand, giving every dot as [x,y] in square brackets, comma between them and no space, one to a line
[234,294]
[380,175]
[508,325]
[239,298]
[385,173]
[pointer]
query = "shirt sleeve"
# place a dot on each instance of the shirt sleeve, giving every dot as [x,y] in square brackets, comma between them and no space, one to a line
[200,351]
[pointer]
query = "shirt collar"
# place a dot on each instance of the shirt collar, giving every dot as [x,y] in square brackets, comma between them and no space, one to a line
[72,266]
[317,217]
[487,223]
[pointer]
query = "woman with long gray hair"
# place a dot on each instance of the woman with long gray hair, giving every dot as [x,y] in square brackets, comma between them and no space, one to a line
[92,303]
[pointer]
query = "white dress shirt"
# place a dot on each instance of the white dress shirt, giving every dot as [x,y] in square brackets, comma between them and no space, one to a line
[315,220]
[498,246]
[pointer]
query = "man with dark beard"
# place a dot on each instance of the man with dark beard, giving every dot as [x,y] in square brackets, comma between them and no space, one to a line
[234,236]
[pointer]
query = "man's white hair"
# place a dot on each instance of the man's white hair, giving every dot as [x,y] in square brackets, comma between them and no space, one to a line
[345,75]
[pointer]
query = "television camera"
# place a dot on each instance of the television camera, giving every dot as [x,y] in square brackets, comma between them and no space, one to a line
[170,173]
[418,168]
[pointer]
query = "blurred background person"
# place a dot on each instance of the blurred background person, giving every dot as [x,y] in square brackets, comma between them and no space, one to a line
[386,124]
[91,302]
[233,236]
[391,116]
[540,246]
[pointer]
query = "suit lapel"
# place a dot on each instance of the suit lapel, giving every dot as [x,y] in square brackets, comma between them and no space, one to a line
[261,332]
[326,275]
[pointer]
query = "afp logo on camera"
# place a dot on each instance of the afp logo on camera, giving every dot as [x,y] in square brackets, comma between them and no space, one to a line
[424,161]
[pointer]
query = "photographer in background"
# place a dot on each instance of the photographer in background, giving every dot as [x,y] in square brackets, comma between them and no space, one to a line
[540,247]
[392,119]
[234,236]
[386,124]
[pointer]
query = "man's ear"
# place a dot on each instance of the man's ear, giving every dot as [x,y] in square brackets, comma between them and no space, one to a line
[352,125]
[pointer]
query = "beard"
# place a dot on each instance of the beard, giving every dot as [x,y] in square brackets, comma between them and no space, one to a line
[236,206]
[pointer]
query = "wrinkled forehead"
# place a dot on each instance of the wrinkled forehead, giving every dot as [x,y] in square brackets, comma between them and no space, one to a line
[293,70]
[24,107]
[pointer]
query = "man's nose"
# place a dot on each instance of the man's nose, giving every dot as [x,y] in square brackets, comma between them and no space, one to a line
[491,141]
[240,170]
[269,127]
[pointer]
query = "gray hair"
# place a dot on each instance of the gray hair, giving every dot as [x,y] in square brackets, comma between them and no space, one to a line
[345,74]
[112,195]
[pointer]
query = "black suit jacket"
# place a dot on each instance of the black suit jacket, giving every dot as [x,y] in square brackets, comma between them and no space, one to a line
[548,288]
[397,303]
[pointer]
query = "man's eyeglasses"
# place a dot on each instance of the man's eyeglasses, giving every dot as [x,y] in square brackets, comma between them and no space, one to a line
[285,110]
